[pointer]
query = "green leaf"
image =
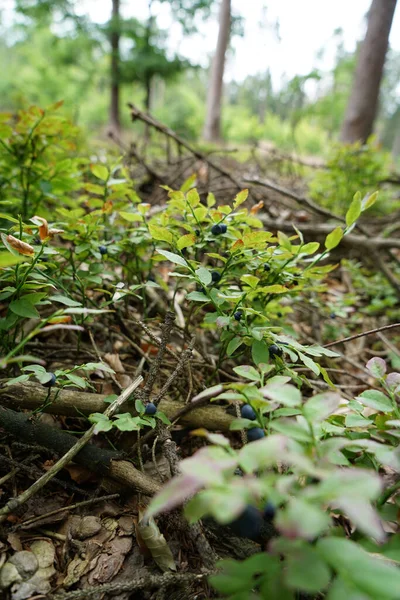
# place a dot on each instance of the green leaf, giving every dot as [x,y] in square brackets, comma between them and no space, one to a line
[185,241]
[193,198]
[292,429]
[76,380]
[24,308]
[309,362]
[302,519]
[174,258]
[333,238]
[233,345]
[368,201]
[306,571]
[102,422]
[9,260]
[247,372]
[354,210]
[188,183]
[309,248]
[376,400]
[370,574]
[287,394]
[321,406]
[65,300]
[197,297]
[240,198]
[129,216]
[284,241]
[99,171]
[204,275]
[377,367]
[20,379]
[259,352]
[126,422]
[161,233]
[250,280]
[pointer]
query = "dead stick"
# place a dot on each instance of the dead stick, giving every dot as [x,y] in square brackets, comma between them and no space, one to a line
[364,333]
[15,503]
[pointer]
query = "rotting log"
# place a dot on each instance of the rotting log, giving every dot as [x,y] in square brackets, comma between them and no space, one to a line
[75,404]
[103,461]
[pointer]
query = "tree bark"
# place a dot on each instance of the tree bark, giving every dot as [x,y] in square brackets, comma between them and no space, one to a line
[363,103]
[115,122]
[212,127]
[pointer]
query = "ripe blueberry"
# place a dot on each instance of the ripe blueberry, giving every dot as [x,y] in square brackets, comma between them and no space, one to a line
[274,350]
[51,381]
[215,276]
[238,315]
[279,315]
[247,412]
[151,409]
[267,268]
[249,524]
[269,511]
[332,316]
[103,250]
[255,434]
[216,229]
[223,227]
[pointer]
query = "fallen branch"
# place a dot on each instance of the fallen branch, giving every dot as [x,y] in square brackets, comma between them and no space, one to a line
[15,503]
[363,334]
[76,404]
[140,583]
[138,114]
[104,462]
[322,229]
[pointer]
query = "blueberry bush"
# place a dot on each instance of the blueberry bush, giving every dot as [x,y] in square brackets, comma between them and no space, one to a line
[312,477]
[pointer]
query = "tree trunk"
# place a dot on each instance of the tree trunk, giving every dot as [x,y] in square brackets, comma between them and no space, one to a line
[115,123]
[212,127]
[363,103]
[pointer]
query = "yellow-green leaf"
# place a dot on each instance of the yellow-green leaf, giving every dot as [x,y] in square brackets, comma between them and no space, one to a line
[284,241]
[193,197]
[251,240]
[240,198]
[354,211]
[333,238]
[99,171]
[369,201]
[250,280]
[186,240]
[160,233]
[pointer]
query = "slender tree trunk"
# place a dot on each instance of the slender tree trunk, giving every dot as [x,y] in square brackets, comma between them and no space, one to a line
[212,127]
[363,103]
[115,123]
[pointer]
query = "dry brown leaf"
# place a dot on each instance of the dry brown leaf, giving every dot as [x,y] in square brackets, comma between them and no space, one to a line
[19,246]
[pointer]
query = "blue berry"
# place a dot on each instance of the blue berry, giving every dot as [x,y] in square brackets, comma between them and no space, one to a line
[216,229]
[255,434]
[267,268]
[274,350]
[51,381]
[238,315]
[279,315]
[247,412]
[103,250]
[249,524]
[215,276]
[223,228]
[269,511]
[151,409]
[332,316]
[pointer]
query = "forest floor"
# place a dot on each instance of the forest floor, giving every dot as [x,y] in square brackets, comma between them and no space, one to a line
[83,523]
